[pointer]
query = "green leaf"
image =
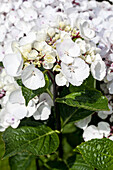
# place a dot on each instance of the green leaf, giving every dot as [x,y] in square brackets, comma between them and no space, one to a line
[19,81]
[98,153]
[71,114]
[29,94]
[4,164]
[57,165]
[69,128]
[74,138]
[30,122]
[80,114]
[90,99]
[76,162]
[20,161]
[32,165]
[37,141]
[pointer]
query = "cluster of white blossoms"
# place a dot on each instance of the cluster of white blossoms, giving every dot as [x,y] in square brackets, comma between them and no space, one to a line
[100,15]
[35,33]
[13,108]
[66,49]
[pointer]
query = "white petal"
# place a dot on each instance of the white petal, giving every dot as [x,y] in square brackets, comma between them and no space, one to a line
[45,97]
[111,138]
[13,64]
[60,79]
[67,50]
[30,38]
[82,69]
[102,115]
[16,124]
[83,123]
[98,70]
[92,132]
[86,31]
[37,115]
[74,51]
[17,97]
[19,111]
[2,53]
[104,128]
[45,112]
[110,87]
[2,128]
[31,108]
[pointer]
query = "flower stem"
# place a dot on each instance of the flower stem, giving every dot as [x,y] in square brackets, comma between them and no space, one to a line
[58,121]
[49,92]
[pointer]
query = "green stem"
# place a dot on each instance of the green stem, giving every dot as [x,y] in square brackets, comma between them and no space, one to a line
[49,92]
[37,164]
[58,121]
[94,83]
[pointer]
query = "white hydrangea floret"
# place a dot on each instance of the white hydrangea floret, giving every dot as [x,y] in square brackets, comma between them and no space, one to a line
[98,69]
[86,31]
[93,132]
[61,80]
[32,77]
[67,51]
[76,72]
[44,107]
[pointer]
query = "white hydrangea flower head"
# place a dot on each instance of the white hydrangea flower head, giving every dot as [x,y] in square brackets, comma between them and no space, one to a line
[61,37]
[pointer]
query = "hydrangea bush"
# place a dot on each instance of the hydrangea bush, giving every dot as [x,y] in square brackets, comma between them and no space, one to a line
[56,84]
